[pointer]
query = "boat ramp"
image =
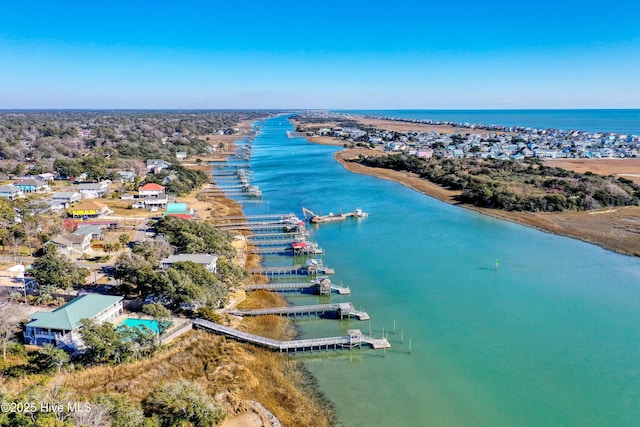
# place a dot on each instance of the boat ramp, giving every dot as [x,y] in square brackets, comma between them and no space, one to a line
[354,338]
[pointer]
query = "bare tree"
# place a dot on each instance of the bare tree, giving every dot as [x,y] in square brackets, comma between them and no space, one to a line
[9,319]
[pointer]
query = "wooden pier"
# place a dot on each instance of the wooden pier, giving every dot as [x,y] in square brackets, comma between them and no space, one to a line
[299,287]
[354,338]
[342,310]
[299,270]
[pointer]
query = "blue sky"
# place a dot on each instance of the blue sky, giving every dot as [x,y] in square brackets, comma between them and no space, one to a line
[330,54]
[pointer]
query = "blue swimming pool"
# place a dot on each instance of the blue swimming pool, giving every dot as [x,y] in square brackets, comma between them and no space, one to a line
[138,323]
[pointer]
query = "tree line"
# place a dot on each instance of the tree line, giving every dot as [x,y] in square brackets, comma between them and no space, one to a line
[513,185]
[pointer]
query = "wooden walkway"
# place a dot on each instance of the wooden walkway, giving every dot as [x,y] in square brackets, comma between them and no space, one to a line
[342,310]
[355,338]
[294,287]
[299,270]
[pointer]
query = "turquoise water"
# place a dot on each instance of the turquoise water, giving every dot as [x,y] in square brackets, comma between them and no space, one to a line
[138,323]
[550,338]
[618,121]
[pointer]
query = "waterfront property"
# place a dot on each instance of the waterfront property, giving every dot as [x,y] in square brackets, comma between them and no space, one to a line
[61,326]
[354,338]
[210,262]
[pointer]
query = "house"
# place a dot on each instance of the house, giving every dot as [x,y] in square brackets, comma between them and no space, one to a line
[48,176]
[89,209]
[61,326]
[181,155]
[150,189]
[93,190]
[178,209]
[157,165]
[71,244]
[66,197]
[31,185]
[206,260]
[93,231]
[127,176]
[10,192]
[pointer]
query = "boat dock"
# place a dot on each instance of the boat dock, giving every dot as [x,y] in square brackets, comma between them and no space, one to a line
[299,270]
[354,338]
[332,217]
[320,286]
[342,310]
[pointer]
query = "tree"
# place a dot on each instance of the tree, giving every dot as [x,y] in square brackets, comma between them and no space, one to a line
[183,400]
[53,269]
[122,412]
[9,313]
[153,250]
[123,239]
[160,313]
[135,271]
[53,357]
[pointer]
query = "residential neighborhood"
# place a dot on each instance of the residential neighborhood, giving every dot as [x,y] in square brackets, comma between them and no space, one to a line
[500,142]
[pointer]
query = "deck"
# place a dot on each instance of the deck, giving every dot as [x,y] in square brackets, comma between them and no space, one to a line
[299,270]
[294,287]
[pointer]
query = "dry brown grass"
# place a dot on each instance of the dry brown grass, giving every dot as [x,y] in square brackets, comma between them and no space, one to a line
[625,168]
[231,371]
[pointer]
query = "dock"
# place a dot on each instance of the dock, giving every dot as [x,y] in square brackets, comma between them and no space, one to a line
[299,270]
[316,285]
[354,338]
[342,310]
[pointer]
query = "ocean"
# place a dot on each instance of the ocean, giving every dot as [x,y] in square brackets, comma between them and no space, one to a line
[617,121]
[550,337]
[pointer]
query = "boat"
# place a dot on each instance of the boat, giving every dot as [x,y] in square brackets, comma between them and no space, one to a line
[332,217]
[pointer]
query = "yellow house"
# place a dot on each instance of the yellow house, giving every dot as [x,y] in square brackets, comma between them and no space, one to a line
[89,209]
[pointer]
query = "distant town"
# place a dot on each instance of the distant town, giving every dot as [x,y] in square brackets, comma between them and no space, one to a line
[500,142]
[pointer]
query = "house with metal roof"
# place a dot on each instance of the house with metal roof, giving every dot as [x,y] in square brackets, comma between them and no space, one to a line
[10,192]
[210,262]
[61,326]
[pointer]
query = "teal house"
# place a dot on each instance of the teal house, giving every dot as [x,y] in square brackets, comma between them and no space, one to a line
[61,326]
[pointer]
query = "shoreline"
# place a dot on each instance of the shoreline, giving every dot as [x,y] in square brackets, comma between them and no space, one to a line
[612,229]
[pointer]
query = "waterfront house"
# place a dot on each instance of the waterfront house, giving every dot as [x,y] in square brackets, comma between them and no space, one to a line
[89,209]
[61,327]
[71,244]
[93,190]
[10,192]
[206,260]
[31,185]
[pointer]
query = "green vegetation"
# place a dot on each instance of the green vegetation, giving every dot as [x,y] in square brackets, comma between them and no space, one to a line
[57,271]
[192,237]
[515,186]
[107,344]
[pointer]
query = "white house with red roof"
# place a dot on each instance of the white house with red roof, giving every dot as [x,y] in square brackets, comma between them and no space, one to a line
[151,189]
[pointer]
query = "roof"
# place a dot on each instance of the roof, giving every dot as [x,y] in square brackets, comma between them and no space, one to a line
[88,205]
[197,258]
[31,181]
[69,239]
[68,316]
[9,189]
[179,215]
[152,186]
[65,194]
[88,229]
[92,186]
